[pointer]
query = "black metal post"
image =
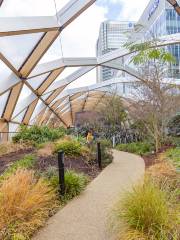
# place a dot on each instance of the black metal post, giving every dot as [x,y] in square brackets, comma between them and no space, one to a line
[61,173]
[99,155]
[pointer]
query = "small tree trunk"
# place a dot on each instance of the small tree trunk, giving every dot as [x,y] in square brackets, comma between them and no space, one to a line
[156,144]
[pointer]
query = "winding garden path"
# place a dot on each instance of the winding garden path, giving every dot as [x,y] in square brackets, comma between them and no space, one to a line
[85,217]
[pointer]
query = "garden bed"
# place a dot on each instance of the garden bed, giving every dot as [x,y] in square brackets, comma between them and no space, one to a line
[154,158]
[151,210]
[75,163]
[29,181]
[7,159]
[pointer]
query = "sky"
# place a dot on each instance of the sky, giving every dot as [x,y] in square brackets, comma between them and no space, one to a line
[79,38]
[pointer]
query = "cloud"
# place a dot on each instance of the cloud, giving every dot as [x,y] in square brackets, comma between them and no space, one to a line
[123,9]
[132,10]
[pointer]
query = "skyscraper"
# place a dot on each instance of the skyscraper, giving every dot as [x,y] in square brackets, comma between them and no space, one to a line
[159,18]
[112,35]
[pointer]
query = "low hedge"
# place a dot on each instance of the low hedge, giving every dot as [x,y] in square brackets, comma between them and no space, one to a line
[139,148]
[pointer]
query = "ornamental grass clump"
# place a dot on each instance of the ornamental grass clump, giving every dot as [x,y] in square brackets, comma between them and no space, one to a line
[148,213]
[75,182]
[25,204]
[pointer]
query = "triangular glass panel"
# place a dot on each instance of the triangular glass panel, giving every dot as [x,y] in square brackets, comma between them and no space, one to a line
[45,96]
[25,99]
[3,101]
[20,116]
[86,80]
[13,128]
[39,107]
[37,81]
[17,48]
[27,8]
[7,78]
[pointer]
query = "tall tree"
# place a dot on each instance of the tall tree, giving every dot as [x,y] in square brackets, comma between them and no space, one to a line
[112,111]
[155,97]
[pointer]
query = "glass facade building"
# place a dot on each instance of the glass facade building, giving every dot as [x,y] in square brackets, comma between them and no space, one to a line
[159,19]
[112,35]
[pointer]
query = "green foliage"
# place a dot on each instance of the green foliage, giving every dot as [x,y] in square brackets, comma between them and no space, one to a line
[176,141]
[174,126]
[81,139]
[18,236]
[144,52]
[113,112]
[75,183]
[27,162]
[174,156]
[69,147]
[37,135]
[106,152]
[139,148]
[149,210]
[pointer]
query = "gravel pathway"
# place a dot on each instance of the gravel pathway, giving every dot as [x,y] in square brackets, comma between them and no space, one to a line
[85,217]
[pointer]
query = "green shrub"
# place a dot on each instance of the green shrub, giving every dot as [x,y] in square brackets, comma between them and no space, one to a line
[174,126]
[149,210]
[176,141]
[75,183]
[106,152]
[37,135]
[69,147]
[80,139]
[139,148]
[174,156]
[27,162]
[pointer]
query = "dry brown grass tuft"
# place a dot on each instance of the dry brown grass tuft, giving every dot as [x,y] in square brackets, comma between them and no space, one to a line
[25,204]
[46,150]
[163,168]
[132,235]
[67,138]
[9,147]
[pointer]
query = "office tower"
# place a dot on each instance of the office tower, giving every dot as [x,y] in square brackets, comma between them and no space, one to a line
[158,19]
[112,35]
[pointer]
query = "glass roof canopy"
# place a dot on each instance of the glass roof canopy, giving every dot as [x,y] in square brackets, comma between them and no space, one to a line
[33,90]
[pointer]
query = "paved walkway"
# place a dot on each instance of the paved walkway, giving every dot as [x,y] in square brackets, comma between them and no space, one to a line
[85,217]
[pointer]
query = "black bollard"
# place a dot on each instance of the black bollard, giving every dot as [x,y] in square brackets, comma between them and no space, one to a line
[61,173]
[99,155]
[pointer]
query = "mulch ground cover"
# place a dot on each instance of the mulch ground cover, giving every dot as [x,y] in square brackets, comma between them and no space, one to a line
[9,158]
[150,160]
[43,162]
[153,158]
[74,163]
